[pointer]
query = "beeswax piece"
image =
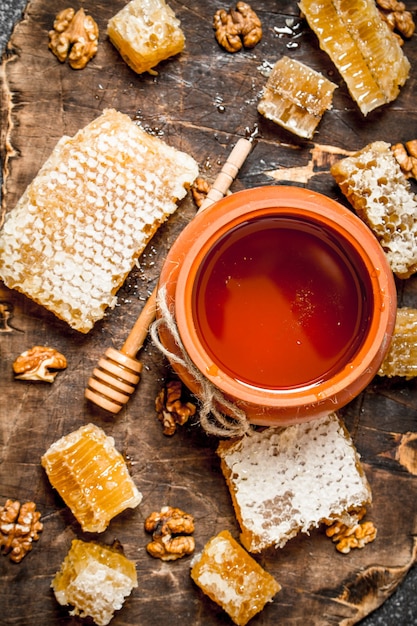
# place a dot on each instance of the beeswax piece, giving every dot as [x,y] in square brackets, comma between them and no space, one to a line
[285,481]
[146,32]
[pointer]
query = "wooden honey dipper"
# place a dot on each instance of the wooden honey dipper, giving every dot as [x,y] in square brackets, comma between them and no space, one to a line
[118,371]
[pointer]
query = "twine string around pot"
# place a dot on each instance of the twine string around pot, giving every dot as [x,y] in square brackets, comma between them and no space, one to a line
[212,420]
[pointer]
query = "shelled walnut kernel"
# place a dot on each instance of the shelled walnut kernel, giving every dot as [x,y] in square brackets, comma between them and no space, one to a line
[355,535]
[406,156]
[19,527]
[75,35]
[36,363]
[237,27]
[171,408]
[398,19]
[200,189]
[171,529]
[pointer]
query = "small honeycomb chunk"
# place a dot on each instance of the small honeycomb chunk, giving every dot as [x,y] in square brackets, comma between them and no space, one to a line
[378,190]
[296,97]
[401,359]
[91,477]
[95,579]
[146,33]
[233,579]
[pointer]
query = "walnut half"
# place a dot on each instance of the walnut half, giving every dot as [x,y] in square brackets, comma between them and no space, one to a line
[237,27]
[353,535]
[19,527]
[171,408]
[36,363]
[397,17]
[199,190]
[75,35]
[171,529]
[406,156]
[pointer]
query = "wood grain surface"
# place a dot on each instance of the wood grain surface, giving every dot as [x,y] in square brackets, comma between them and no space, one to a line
[201,101]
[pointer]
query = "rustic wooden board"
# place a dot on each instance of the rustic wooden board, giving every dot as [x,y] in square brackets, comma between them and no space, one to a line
[201,101]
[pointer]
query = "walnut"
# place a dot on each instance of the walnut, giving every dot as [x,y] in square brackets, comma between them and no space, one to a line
[412,147]
[171,529]
[200,190]
[398,19]
[353,535]
[406,156]
[35,364]
[75,35]
[227,31]
[171,408]
[237,27]
[19,527]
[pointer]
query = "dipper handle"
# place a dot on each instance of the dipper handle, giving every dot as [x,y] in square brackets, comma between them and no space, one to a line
[228,173]
[117,373]
[139,332]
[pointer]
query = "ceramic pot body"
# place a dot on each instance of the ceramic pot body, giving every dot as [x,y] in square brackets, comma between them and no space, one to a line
[283,300]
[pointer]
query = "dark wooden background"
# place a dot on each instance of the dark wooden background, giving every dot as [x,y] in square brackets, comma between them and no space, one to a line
[200,102]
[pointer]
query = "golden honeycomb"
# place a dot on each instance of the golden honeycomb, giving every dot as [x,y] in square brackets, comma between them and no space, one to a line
[295,97]
[363,48]
[95,579]
[91,477]
[233,579]
[146,33]
[401,359]
[81,224]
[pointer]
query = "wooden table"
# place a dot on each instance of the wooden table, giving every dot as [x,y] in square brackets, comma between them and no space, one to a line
[200,102]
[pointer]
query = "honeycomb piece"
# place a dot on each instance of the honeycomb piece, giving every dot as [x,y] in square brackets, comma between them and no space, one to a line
[295,97]
[228,575]
[146,32]
[285,481]
[91,476]
[373,182]
[81,224]
[363,48]
[401,359]
[95,579]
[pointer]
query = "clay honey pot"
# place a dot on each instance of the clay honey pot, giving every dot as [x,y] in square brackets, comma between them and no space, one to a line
[283,300]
